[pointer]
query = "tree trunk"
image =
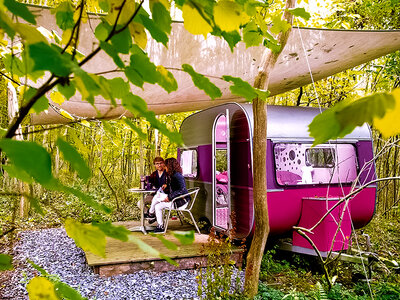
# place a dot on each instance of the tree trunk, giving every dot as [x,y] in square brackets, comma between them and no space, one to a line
[261,232]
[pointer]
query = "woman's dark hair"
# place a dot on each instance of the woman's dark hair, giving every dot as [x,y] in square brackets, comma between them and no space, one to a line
[173,166]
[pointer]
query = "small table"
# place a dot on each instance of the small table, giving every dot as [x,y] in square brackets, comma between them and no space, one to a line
[142,227]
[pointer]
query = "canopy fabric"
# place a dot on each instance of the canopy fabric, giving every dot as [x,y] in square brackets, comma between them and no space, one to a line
[324,52]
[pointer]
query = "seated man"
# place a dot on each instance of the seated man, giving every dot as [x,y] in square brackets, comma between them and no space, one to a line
[157,179]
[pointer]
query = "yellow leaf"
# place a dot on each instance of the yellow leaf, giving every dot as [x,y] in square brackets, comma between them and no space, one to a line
[40,288]
[66,115]
[85,123]
[66,36]
[194,22]
[138,33]
[126,13]
[84,17]
[29,33]
[228,15]
[389,125]
[57,97]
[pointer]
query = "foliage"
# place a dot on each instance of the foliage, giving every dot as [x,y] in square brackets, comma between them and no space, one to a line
[381,109]
[48,286]
[215,282]
[5,262]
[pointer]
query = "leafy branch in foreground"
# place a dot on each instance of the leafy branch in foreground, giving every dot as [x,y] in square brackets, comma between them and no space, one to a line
[380,109]
[121,34]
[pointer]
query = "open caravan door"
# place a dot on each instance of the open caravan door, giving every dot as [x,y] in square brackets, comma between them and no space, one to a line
[221,173]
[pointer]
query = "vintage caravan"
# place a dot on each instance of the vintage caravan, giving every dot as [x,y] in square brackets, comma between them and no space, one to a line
[303,182]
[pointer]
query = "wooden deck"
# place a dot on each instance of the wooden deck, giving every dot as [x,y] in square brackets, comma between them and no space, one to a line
[127,257]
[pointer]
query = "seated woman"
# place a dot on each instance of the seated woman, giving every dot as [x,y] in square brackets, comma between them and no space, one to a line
[157,179]
[177,187]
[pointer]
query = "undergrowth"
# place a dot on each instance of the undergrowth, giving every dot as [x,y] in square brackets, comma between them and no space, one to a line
[286,275]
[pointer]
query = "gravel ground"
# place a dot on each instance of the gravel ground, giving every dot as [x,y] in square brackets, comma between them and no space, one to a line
[53,250]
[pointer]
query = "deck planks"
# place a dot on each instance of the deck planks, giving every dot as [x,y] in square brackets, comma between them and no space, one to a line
[127,257]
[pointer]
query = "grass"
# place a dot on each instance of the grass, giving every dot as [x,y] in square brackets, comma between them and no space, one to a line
[293,276]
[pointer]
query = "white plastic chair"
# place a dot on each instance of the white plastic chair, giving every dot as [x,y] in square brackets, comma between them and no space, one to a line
[184,208]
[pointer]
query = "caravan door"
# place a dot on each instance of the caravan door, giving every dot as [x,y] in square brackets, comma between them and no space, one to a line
[221,173]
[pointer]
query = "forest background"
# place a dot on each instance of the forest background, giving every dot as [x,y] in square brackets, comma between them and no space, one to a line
[117,156]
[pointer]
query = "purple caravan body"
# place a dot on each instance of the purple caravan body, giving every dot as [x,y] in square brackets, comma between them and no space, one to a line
[303,182]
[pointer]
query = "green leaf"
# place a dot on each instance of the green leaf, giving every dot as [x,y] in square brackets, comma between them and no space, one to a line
[41,288]
[13,65]
[136,129]
[169,244]
[30,157]
[134,77]
[38,268]
[167,80]
[341,120]
[86,236]
[137,106]
[102,31]
[86,85]
[161,16]
[251,35]
[75,159]
[276,48]
[104,5]
[36,205]
[64,15]
[300,12]
[68,89]
[169,260]
[116,232]
[232,38]
[6,24]
[122,41]
[143,246]
[105,88]
[20,10]
[184,237]
[18,173]
[88,200]
[5,262]
[40,105]
[202,82]
[244,89]
[279,25]
[119,87]
[64,291]
[141,63]
[113,53]
[48,58]
[156,33]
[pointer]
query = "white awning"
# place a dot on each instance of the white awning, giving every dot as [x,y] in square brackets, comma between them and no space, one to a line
[325,51]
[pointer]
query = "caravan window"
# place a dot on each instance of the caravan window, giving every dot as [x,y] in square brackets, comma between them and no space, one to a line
[189,163]
[320,157]
[299,164]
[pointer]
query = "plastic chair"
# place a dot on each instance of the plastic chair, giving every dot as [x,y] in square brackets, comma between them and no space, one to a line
[184,208]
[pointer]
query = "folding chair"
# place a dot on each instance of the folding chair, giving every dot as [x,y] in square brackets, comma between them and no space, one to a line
[184,208]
